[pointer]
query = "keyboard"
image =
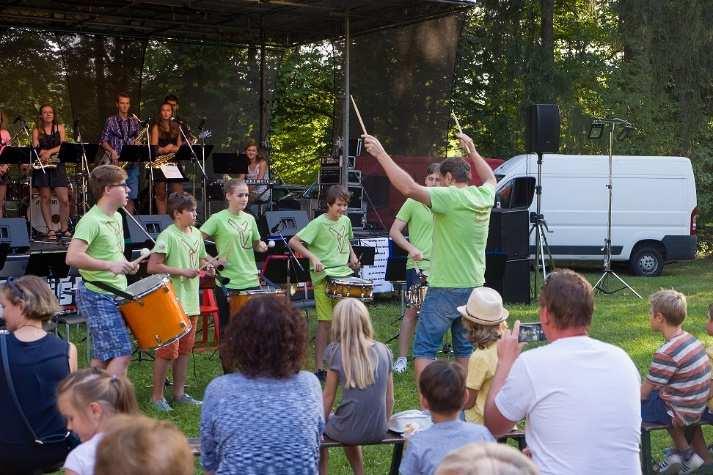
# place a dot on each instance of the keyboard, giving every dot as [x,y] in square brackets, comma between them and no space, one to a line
[254,182]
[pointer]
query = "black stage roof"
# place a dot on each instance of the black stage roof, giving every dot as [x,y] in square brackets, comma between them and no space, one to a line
[226,22]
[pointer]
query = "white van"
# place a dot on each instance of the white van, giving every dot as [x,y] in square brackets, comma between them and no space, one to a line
[653,207]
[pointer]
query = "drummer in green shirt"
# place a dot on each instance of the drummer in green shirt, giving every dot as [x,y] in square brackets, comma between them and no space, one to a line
[236,238]
[180,253]
[417,216]
[326,242]
[461,214]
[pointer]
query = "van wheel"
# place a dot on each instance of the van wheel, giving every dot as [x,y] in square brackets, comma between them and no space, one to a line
[646,261]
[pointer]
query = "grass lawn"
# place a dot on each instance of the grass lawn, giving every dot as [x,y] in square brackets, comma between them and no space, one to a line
[620,319]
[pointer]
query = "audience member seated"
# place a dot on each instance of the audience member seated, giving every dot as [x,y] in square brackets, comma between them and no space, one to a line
[486,459]
[37,362]
[484,319]
[361,367]
[267,416]
[442,386]
[677,387]
[88,399]
[580,396]
[135,444]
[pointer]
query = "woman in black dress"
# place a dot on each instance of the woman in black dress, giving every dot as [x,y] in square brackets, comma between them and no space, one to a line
[166,135]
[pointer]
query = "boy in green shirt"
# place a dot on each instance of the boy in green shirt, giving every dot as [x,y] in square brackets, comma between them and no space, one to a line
[330,254]
[461,214]
[179,252]
[236,237]
[97,250]
[419,220]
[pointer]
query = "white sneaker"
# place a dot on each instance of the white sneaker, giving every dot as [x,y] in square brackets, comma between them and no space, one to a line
[691,464]
[669,465]
[400,365]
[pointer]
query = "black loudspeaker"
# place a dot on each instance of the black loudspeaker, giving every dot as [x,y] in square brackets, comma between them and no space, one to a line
[152,223]
[511,278]
[543,128]
[13,232]
[508,233]
[287,223]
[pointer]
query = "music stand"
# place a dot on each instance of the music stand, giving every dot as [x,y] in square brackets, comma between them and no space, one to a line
[78,153]
[279,269]
[230,163]
[19,156]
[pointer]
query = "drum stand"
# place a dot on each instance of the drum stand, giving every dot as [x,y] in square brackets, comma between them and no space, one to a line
[29,183]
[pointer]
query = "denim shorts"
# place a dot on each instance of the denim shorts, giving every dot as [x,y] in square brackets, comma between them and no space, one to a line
[109,335]
[439,313]
[655,411]
[132,179]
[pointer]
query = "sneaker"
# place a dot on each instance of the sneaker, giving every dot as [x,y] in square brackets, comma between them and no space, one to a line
[187,399]
[161,405]
[321,375]
[400,365]
[691,464]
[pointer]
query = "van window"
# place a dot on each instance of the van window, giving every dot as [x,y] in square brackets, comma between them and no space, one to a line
[516,193]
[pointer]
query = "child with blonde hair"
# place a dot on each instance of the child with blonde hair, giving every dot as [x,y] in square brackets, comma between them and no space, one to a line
[88,399]
[484,319]
[486,459]
[362,367]
[138,444]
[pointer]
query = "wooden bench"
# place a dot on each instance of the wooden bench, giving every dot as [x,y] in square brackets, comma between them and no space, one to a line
[517,435]
[647,461]
[391,439]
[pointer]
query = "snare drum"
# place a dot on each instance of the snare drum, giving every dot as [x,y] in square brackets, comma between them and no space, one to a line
[238,298]
[354,287]
[154,315]
[416,294]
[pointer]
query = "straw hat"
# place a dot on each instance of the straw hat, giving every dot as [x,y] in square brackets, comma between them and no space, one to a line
[484,307]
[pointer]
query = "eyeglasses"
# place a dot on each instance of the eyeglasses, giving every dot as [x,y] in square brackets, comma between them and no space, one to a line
[124,185]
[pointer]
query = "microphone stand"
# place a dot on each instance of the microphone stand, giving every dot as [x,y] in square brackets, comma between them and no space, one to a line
[193,152]
[84,168]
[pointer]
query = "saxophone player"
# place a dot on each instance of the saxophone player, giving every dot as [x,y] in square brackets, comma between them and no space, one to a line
[120,130]
[165,134]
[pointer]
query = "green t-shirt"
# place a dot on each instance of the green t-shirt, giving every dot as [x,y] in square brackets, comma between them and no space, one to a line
[104,236]
[183,251]
[460,231]
[234,235]
[419,219]
[330,241]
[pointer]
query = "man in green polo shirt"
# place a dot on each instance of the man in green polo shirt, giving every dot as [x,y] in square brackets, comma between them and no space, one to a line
[97,250]
[461,214]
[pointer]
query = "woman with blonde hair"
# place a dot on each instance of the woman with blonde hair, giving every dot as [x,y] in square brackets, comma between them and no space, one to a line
[362,367]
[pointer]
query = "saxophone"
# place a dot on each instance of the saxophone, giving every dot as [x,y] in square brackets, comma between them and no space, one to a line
[104,156]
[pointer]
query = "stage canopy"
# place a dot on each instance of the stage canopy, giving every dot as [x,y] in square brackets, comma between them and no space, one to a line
[225,22]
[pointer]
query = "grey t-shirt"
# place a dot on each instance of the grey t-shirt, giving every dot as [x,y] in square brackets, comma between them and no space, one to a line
[252,426]
[361,416]
[426,449]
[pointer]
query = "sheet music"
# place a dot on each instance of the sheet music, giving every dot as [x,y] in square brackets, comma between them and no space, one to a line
[171,170]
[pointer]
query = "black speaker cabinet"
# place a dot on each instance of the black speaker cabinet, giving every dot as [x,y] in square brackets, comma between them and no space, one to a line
[151,223]
[510,277]
[508,233]
[13,232]
[543,128]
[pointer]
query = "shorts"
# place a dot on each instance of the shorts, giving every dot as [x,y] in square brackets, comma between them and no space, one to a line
[109,335]
[655,411]
[181,347]
[323,304]
[132,179]
[439,313]
[50,178]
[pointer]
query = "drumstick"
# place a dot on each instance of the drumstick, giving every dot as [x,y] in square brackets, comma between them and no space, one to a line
[144,254]
[356,110]
[455,118]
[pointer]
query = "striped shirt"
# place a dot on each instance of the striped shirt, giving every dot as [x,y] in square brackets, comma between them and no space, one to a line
[119,132]
[681,372]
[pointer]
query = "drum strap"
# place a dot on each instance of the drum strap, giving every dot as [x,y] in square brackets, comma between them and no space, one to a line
[112,289]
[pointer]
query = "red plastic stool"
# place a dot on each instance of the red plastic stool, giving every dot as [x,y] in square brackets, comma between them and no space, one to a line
[209,309]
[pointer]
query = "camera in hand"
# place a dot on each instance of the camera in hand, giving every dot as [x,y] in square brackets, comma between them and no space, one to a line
[531,332]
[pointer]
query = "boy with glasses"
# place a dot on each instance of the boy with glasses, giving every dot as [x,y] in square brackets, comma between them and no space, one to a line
[97,250]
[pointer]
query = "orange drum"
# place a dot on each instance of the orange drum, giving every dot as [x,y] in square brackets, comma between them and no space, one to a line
[343,287]
[238,298]
[154,316]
